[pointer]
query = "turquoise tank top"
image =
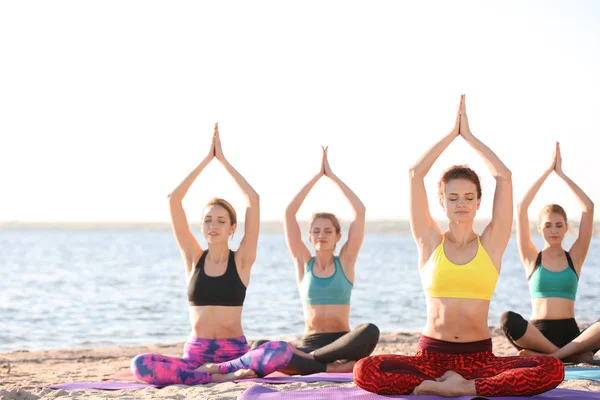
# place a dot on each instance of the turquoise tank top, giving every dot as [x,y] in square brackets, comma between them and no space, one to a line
[335,289]
[544,283]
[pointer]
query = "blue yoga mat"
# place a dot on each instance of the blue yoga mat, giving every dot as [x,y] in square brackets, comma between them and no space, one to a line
[592,374]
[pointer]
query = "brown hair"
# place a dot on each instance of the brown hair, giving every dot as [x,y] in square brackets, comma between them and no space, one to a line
[552,209]
[458,172]
[226,205]
[334,220]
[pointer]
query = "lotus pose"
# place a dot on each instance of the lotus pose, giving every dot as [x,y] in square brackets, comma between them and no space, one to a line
[217,279]
[325,282]
[553,275]
[459,270]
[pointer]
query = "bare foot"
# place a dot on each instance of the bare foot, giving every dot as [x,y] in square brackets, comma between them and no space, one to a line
[232,376]
[586,357]
[527,352]
[209,367]
[452,385]
[244,374]
[447,374]
[346,366]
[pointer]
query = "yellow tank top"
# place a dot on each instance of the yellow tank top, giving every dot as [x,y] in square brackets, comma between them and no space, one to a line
[473,280]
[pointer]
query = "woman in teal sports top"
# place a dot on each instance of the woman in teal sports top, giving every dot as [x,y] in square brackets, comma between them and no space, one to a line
[553,275]
[325,282]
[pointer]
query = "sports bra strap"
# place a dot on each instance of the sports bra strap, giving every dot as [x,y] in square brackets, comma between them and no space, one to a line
[310,264]
[571,265]
[538,262]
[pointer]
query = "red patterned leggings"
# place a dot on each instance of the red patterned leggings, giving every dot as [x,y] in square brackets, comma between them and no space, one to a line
[494,376]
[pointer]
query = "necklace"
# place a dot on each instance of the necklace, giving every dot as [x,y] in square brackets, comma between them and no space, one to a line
[322,267]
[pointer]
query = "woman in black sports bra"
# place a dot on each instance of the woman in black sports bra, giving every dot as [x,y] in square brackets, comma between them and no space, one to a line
[217,277]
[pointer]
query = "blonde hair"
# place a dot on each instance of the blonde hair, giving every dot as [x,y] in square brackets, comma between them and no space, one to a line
[552,209]
[334,220]
[215,201]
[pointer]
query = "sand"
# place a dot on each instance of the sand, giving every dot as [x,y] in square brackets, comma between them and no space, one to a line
[23,374]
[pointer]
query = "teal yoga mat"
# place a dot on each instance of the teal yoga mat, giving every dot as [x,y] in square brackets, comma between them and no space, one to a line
[592,374]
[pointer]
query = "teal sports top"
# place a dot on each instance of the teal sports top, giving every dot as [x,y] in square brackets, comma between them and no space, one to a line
[544,283]
[335,289]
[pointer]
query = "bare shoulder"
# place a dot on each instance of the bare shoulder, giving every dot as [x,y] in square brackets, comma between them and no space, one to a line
[493,248]
[192,261]
[347,260]
[238,257]
[427,247]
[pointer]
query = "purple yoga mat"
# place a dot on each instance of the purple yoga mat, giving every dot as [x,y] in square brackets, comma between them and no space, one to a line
[105,385]
[108,385]
[258,392]
[320,377]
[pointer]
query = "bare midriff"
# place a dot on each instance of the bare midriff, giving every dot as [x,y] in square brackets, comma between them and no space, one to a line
[326,318]
[457,320]
[552,308]
[216,322]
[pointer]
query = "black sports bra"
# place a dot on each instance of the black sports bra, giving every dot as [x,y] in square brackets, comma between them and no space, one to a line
[223,290]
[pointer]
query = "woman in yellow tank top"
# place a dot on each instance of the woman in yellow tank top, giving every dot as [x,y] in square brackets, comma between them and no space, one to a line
[459,270]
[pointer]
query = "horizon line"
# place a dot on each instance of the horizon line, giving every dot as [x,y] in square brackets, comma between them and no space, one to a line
[154,222]
[166,222]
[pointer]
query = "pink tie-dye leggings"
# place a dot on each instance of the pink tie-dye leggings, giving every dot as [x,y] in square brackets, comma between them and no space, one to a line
[163,370]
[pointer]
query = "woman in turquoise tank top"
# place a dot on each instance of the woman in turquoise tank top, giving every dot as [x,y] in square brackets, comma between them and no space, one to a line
[553,275]
[325,282]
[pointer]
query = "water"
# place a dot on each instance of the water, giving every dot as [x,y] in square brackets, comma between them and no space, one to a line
[70,288]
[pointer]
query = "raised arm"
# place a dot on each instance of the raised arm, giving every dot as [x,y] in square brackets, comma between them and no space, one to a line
[497,233]
[356,232]
[425,230]
[249,243]
[188,245]
[293,235]
[527,249]
[580,248]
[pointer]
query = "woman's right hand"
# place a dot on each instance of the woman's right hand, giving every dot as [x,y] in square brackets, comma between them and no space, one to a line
[211,152]
[456,129]
[554,155]
[325,168]
[465,131]
[558,160]
[323,161]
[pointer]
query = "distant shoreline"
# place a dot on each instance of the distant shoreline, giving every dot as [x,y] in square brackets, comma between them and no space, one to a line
[388,226]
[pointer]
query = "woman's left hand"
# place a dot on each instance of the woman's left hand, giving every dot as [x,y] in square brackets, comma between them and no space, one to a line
[218,149]
[465,132]
[326,167]
[558,160]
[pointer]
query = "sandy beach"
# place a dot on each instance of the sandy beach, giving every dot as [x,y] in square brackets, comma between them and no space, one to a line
[23,374]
